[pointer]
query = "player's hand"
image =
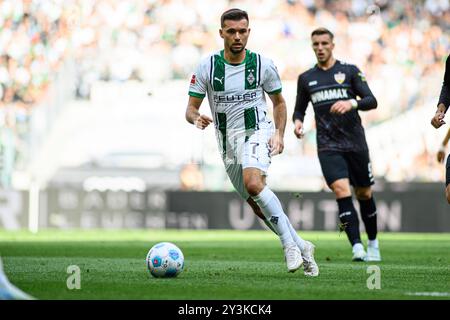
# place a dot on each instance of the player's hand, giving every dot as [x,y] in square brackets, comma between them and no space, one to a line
[276,144]
[298,130]
[341,107]
[441,155]
[202,122]
[438,119]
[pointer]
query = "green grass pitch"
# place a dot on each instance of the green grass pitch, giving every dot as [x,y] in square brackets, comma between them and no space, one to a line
[222,265]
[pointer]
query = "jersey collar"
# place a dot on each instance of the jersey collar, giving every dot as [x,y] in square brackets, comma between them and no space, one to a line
[334,65]
[247,54]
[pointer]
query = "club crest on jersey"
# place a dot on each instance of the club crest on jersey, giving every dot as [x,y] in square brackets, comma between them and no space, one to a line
[339,77]
[193,79]
[251,77]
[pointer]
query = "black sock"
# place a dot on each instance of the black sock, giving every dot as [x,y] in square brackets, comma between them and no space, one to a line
[349,219]
[369,217]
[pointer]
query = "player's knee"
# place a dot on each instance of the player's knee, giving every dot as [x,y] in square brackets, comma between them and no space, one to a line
[341,190]
[254,187]
[363,193]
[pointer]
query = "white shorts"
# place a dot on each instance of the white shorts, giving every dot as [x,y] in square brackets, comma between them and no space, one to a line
[247,151]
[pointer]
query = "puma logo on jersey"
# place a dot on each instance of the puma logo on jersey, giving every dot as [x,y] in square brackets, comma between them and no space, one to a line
[312,83]
[220,80]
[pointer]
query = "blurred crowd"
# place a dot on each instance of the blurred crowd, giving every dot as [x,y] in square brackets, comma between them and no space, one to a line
[34,37]
[163,40]
[157,41]
[400,45]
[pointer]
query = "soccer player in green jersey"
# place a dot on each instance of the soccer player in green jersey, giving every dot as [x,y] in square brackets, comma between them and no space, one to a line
[235,80]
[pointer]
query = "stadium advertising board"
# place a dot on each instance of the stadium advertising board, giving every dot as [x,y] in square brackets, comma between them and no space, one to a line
[67,208]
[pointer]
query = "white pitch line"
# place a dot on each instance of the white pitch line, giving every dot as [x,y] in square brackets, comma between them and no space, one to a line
[431,294]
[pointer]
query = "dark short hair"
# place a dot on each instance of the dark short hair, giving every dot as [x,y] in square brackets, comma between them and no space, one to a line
[321,31]
[233,14]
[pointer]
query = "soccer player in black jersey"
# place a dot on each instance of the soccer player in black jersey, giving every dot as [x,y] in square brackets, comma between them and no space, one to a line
[438,120]
[332,87]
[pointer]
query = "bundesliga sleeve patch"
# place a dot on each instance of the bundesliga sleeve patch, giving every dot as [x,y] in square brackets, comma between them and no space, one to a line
[193,79]
[362,76]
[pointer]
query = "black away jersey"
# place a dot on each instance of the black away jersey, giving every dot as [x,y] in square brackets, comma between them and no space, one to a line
[445,90]
[325,87]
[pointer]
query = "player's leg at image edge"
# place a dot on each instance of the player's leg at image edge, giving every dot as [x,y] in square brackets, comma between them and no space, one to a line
[447,179]
[8,291]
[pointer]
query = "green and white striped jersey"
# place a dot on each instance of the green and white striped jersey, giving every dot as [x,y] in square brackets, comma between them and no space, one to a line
[236,92]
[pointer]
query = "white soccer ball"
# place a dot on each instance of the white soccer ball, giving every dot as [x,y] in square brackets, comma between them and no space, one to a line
[165,260]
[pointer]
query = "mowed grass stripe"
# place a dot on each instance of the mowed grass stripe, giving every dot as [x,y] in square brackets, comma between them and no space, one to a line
[239,265]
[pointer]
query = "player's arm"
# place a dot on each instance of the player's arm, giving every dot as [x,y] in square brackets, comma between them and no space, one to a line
[438,120]
[272,86]
[441,152]
[279,115]
[444,98]
[193,115]
[197,91]
[361,88]
[301,103]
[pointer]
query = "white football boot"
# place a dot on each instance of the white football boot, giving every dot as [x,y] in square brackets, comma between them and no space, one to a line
[310,267]
[373,254]
[358,252]
[293,257]
[8,291]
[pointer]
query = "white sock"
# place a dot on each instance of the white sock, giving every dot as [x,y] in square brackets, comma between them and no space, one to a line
[272,210]
[298,240]
[373,243]
[269,225]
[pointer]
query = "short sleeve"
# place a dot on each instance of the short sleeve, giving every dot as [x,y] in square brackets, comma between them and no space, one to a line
[271,80]
[198,83]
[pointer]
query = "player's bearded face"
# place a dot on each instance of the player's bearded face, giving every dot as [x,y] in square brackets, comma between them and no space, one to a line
[323,47]
[235,35]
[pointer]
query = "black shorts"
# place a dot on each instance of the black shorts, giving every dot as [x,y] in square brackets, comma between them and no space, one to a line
[355,166]
[447,171]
